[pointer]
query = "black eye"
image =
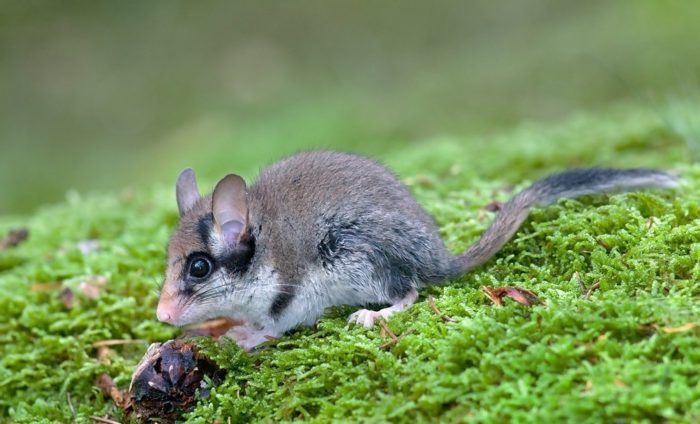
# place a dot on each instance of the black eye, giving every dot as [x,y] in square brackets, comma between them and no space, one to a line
[199,267]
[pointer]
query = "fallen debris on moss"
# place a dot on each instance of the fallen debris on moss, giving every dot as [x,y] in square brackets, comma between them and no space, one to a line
[14,238]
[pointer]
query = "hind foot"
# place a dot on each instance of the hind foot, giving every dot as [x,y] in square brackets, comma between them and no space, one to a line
[367,317]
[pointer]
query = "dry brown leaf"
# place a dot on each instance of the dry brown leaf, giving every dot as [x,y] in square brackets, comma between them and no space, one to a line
[685,327]
[214,328]
[494,206]
[14,238]
[518,294]
[93,292]
[522,296]
[93,286]
[67,298]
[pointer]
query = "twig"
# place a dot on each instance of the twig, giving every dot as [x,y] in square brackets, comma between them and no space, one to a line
[649,223]
[70,405]
[42,287]
[593,287]
[685,327]
[603,244]
[103,420]
[106,384]
[396,340]
[385,327]
[431,302]
[494,297]
[103,353]
[117,342]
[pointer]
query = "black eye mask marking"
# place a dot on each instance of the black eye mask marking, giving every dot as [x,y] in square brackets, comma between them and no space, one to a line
[204,228]
[200,266]
[238,261]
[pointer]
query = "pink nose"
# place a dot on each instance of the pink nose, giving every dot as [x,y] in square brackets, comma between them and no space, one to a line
[162,315]
[166,311]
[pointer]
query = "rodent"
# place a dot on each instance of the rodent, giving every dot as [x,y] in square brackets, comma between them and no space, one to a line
[324,228]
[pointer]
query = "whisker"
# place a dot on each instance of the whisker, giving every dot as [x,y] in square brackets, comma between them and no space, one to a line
[237,290]
[226,285]
[156,287]
[213,292]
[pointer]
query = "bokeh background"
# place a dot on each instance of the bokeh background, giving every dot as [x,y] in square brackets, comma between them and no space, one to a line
[98,95]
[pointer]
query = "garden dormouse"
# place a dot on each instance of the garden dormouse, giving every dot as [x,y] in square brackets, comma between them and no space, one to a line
[324,228]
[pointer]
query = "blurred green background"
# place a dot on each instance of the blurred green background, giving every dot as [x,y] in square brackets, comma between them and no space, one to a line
[98,95]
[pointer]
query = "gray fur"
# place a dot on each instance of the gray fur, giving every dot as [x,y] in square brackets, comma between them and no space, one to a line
[327,228]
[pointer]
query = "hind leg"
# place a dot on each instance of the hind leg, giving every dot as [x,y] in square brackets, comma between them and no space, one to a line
[367,317]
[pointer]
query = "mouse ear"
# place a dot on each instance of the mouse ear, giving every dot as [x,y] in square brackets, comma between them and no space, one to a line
[230,209]
[186,191]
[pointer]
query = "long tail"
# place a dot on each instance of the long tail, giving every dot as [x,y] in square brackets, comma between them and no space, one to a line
[569,184]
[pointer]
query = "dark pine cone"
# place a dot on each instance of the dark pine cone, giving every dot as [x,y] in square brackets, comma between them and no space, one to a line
[167,378]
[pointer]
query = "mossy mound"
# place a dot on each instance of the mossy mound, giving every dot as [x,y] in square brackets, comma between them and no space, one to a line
[616,338]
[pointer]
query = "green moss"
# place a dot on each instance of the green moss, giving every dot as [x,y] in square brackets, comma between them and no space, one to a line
[598,356]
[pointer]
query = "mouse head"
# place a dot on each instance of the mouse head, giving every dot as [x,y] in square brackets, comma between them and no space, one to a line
[209,252]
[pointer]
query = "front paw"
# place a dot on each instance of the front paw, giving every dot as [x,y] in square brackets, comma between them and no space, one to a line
[248,337]
[367,318]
